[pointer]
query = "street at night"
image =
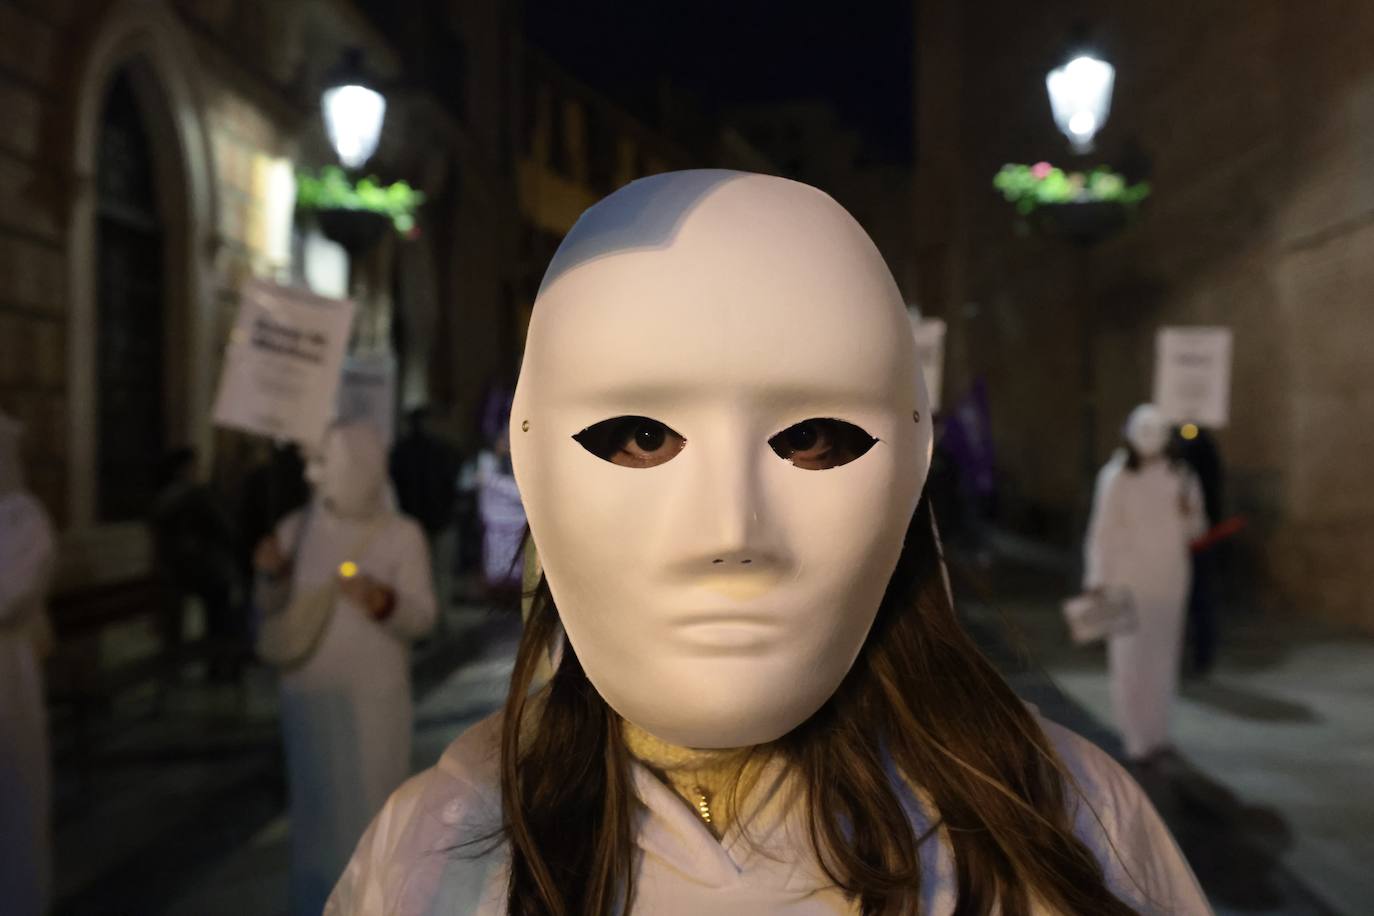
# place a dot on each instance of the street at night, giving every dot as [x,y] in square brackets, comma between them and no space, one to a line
[508,456]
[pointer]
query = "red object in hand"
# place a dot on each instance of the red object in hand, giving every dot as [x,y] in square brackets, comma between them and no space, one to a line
[1223,530]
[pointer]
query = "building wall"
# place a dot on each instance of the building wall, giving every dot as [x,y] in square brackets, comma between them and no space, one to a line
[1259,128]
[229,87]
[577,146]
[33,323]
[574,147]
[56,61]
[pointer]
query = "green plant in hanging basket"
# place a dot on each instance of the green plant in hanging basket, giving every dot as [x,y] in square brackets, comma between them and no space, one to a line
[1030,186]
[332,189]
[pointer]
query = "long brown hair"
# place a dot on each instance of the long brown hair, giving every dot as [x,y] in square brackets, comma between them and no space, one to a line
[920,694]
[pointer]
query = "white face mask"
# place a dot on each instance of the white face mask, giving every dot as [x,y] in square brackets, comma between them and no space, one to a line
[349,472]
[715,592]
[1147,431]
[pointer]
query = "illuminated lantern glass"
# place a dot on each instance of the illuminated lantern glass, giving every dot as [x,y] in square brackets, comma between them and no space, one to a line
[1081,98]
[353,117]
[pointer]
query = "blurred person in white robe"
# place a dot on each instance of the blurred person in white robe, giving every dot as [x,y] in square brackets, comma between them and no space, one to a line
[1147,509]
[27,553]
[347,709]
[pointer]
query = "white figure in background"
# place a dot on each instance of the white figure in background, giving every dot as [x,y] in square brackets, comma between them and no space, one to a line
[721,436]
[346,712]
[27,552]
[1146,511]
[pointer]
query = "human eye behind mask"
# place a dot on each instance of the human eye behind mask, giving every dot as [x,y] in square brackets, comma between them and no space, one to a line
[818,444]
[632,441]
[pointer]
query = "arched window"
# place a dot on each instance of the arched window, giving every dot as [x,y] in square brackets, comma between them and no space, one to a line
[130,304]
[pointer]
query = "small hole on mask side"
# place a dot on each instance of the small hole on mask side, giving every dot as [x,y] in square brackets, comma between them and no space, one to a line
[745,562]
[717,562]
[524,426]
[916,415]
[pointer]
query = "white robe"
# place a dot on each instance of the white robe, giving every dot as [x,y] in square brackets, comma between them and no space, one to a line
[1138,538]
[26,559]
[346,713]
[408,863]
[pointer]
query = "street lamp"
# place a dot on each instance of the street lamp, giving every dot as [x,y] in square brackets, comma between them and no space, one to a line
[1081,98]
[353,111]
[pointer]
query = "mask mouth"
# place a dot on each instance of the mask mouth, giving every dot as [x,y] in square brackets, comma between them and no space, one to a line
[727,633]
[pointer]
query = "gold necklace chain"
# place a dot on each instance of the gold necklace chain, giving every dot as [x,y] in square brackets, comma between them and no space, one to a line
[703,803]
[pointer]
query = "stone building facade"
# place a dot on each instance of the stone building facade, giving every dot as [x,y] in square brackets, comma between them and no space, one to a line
[136,196]
[1258,126]
[574,146]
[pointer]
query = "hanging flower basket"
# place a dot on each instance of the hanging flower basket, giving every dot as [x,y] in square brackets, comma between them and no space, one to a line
[1082,223]
[357,213]
[1082,207]
[355,230]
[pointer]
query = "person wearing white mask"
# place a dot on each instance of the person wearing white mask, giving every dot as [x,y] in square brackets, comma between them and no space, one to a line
[764,703]
[346,706]
[1146,511]
[27,555]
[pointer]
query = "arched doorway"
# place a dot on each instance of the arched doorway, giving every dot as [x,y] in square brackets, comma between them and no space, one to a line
[130,241]
[134,305]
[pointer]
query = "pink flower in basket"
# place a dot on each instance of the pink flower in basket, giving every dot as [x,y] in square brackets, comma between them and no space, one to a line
[1041,170]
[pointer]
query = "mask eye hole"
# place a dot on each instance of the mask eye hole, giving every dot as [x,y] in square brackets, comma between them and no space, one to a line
[818,444]
[631,442]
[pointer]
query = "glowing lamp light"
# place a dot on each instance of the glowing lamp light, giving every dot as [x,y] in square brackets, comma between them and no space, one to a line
[1188,431]
[353,116]
[1081,98]
[348,569]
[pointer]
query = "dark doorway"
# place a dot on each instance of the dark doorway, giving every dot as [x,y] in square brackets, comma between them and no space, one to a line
[130,306]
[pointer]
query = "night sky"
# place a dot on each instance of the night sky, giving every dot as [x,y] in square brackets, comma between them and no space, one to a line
[729,54]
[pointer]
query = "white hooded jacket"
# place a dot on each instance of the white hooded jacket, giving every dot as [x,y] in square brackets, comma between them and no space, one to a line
[434,848]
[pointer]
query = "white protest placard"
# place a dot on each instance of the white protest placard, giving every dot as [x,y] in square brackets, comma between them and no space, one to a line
[367,392]
[282,365]
[1193,375]
[930,350]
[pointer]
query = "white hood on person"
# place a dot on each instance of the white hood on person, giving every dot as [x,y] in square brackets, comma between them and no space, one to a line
[1147,431]
[349,471]
[720,433]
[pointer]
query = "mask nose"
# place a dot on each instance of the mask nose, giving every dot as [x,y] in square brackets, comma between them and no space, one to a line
[731,495]
[723,524]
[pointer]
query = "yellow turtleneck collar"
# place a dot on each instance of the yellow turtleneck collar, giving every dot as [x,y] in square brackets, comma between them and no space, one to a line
[710,780]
